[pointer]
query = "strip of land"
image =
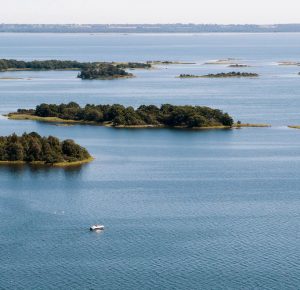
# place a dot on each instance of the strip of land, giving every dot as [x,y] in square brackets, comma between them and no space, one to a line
[43,163]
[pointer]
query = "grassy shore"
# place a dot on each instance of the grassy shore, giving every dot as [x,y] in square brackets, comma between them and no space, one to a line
[60,164]
[16,116]
[294,126]
[75,163]
[63,122]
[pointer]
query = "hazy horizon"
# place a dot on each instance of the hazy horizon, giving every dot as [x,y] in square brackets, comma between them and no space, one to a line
[148,23]
[154,12]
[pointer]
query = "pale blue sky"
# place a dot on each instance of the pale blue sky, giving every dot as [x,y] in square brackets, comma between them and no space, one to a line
[152,11]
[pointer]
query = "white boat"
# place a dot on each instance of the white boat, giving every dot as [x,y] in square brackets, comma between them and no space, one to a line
[97,228]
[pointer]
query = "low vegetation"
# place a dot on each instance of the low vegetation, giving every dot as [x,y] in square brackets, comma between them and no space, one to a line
[132,65]
[32,148]
[120,116]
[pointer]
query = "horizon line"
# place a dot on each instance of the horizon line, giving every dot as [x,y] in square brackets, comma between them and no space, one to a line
[171,23]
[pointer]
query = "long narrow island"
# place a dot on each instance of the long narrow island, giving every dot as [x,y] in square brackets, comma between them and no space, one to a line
[33,149]
[222,75]
[145,116]
[88,70]
[119,116]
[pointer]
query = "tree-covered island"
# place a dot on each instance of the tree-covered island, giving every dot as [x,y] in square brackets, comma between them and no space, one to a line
[34,149]
[231,75]
[119,116]
[220,75]
[88,70]
[103,72]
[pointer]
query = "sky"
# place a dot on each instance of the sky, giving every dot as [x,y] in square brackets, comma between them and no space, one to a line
[152,11]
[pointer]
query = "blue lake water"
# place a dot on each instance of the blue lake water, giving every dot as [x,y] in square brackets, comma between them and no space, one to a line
[183,209]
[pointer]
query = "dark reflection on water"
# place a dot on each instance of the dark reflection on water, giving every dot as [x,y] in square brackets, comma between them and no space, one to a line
[20,169]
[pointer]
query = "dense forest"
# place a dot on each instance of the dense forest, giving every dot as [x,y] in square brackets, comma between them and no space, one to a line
[34,148]
[118,115]
[88,70]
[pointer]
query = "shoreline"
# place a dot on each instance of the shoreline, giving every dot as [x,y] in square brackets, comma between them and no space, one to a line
[59,164]
[16,116]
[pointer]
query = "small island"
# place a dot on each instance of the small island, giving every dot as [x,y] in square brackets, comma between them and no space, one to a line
[239,65]
[88,70]
[289,63]
[33,149]
[103,72]
[188,76]
[222,61]
[145,116]
[167,62]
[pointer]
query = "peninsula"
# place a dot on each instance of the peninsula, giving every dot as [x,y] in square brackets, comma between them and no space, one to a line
[34,149]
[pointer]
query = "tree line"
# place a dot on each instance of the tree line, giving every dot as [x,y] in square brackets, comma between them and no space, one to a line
[6,64]
[88,70]
[32,147]
[119,115]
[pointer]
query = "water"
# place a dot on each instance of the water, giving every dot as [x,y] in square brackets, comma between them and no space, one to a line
[182,209]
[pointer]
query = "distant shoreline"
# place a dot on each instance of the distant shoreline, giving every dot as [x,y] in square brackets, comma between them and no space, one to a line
[150,28]
[154,33]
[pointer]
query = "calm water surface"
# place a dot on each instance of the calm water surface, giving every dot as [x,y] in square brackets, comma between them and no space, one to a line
[182,209]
